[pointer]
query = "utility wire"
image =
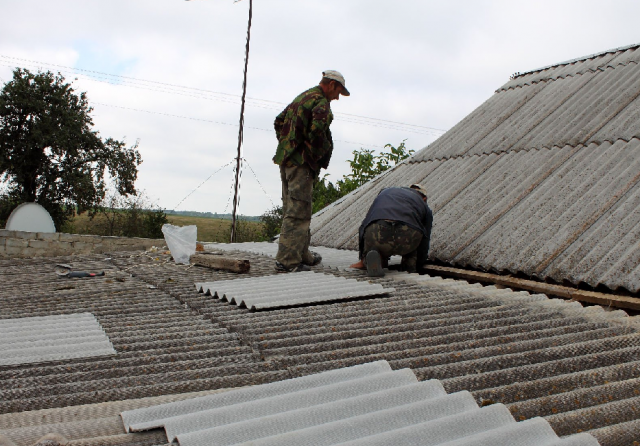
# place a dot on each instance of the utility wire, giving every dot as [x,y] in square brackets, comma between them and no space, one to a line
[200,93]
[362,144]
[236,195]
[178,116]
[231,190]
[201,184]
[258,180]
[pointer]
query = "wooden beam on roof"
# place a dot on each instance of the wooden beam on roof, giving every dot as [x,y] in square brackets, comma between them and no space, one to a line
[604,299]
[215,261]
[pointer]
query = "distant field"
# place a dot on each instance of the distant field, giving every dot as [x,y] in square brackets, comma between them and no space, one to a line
[214,230]
[209,229]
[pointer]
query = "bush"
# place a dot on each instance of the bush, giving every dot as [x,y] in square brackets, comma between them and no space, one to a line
[271,222]
[130,216]
[7,205]
[246,231]
[365,166]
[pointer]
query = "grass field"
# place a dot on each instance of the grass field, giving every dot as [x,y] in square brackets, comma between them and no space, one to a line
[214,230]
[209,229]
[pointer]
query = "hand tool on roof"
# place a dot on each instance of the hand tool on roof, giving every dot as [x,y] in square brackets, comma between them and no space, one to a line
[63,270]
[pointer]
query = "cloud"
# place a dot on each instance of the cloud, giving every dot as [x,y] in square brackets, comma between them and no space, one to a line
[425,63]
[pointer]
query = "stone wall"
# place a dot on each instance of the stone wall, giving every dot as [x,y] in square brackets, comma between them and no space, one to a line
[41,244]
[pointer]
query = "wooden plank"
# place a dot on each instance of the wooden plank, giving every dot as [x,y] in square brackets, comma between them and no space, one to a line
[217,261]
[604,299]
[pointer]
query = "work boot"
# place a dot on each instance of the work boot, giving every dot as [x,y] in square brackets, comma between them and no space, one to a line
[312,258]
[280,268]
[374,264]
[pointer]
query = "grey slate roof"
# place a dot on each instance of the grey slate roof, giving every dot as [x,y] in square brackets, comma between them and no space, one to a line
[363,404]
[543,178]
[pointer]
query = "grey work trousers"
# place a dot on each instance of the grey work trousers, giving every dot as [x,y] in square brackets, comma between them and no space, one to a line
[297,195]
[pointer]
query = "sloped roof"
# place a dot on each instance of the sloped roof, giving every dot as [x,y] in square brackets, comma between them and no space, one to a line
[543,178]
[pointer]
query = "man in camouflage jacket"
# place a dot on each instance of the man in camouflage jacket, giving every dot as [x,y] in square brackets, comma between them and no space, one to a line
[304,147]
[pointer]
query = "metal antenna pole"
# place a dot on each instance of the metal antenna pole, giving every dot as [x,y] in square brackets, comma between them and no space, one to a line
[239,158]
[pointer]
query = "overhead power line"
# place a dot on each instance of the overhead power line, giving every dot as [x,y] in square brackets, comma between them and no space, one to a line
[200,93]
[236,195]
[171,115]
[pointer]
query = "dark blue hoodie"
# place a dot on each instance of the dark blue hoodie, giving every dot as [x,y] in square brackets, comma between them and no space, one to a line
[401,204]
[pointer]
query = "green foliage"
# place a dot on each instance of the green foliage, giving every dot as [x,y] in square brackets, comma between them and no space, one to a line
[152,223]
[210,215]
[246,231]
[324,193]
[7,204]
[49,153]
[271,222]
[127,216]
[365,166]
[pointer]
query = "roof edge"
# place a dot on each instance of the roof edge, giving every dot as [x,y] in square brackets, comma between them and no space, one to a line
[578,59]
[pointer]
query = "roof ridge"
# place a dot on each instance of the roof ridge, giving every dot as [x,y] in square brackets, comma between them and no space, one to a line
[524,149]
[578,59]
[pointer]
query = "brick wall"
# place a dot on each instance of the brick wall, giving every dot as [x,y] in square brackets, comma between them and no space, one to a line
[40,244]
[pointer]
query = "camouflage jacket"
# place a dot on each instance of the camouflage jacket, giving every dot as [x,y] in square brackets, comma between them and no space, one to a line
[303,131]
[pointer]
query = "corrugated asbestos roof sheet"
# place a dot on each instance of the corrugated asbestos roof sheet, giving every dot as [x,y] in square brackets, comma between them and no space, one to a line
[541,179]
[259,293]
[364,404]
[332,258]
[575,367]
[161,346]
[52,338]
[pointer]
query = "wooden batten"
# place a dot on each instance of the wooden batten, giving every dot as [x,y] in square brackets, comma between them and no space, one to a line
[604,299]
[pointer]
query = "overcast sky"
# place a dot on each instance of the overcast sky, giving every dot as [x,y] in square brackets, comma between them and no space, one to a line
[169,73]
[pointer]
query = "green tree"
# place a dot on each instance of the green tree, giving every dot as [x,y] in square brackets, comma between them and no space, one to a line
[271,222]
[365,166]
[324,193]
[49,153]
[246,231]
[127,216]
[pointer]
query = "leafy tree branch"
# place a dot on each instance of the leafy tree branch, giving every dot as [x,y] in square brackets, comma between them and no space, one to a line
[49,152]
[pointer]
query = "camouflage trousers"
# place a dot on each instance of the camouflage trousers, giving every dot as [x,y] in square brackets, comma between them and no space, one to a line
[393,238]
[297,195]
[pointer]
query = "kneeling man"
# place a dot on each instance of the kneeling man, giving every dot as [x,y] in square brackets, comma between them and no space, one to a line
[398,223]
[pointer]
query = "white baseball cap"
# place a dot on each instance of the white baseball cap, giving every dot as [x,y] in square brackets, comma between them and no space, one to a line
[336,76]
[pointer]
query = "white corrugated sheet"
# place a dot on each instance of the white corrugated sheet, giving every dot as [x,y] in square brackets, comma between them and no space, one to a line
[52,338]
[366,404]
[286,290]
